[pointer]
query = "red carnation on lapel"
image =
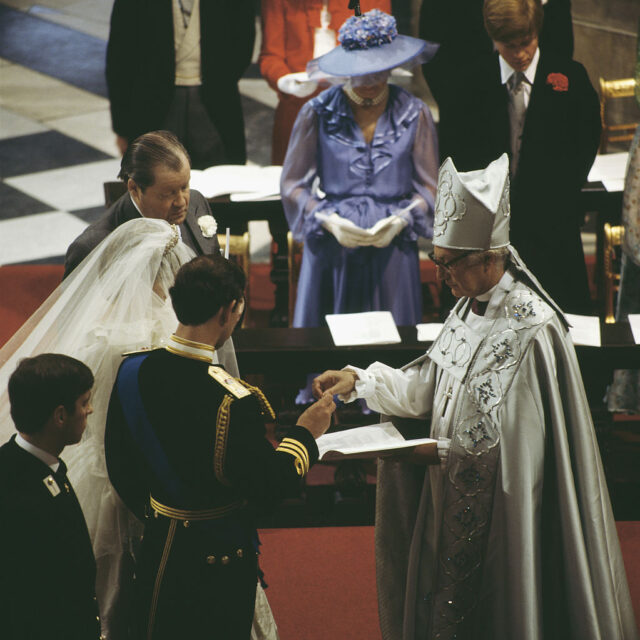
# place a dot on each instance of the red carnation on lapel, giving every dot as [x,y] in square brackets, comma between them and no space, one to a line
[558,81]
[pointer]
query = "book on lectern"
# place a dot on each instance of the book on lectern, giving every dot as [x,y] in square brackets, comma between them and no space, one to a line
[374,441]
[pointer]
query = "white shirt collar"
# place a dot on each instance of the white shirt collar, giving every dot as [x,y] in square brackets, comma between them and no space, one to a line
[506,71]
[190,349]
[41,454]
[135,204]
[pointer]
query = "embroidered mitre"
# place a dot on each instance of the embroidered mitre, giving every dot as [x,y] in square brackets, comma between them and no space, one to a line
[472,208]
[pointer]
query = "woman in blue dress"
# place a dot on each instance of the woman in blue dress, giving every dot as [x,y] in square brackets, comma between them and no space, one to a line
[359,179]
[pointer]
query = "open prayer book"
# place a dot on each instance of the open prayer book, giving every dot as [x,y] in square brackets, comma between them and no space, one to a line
[369,327]
[240,182]
[366,442]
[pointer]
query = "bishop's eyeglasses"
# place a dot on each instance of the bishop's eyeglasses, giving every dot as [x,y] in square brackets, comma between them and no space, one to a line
[447,265]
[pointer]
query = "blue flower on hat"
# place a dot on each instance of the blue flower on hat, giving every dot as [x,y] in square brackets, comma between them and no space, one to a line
[370,44]
[372,29]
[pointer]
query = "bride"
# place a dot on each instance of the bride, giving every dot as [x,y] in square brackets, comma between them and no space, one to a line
[115,301]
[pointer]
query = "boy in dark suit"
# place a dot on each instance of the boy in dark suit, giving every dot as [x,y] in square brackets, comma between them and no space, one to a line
[541,109]
[47,576]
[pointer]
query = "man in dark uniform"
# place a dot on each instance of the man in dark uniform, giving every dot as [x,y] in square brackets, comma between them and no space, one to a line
[156,170]
[48,572]
[186,449]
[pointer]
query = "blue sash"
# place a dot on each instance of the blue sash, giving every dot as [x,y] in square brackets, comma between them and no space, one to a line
[141,429]
[231,528]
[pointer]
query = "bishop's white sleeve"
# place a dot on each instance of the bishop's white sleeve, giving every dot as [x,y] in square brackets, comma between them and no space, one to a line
[406,393]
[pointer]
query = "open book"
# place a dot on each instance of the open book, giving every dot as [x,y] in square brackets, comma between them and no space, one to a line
[368,327]
[365,442]
[241,182]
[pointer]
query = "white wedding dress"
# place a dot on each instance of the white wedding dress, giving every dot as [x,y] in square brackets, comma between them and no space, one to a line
[115,301]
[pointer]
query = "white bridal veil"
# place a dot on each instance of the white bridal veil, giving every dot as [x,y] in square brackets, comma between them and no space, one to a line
[115,301]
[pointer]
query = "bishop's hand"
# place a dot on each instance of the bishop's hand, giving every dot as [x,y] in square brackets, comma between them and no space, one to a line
[334,382]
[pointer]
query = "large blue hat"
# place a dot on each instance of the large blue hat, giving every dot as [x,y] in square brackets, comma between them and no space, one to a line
[369,44]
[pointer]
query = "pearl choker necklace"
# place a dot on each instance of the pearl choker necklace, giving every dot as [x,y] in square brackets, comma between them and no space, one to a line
[366,102]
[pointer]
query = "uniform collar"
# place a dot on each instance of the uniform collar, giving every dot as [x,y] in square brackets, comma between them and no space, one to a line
[190,349]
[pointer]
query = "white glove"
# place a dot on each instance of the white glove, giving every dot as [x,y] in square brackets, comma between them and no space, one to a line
[345,232]
[385,230]
[297,84]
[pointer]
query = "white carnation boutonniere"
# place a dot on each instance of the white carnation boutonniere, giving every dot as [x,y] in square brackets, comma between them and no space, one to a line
[208,226]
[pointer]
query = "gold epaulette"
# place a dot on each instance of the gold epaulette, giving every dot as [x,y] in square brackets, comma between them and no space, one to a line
[265,408]
[296,449]
[236,389]
[233,385]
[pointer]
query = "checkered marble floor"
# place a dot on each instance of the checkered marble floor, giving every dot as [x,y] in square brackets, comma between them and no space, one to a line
[56,144]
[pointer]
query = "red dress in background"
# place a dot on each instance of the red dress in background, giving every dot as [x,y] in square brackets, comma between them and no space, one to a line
[288,29]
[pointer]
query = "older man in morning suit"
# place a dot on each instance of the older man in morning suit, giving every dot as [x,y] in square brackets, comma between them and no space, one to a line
[156,170]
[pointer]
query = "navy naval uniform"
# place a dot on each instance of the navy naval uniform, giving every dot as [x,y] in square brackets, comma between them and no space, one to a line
[47,568]
[186,451]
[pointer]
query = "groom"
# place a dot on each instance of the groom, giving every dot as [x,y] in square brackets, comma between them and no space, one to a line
[156,170]
[186,451]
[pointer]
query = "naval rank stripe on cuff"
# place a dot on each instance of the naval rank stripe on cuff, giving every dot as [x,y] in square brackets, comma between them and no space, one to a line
[298,446]
[298,451]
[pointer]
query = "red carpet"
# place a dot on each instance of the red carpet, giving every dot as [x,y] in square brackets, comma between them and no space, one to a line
[23,288]
[322,580]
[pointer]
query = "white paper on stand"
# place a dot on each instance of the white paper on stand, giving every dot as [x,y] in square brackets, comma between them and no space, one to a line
[370,327]
[634,321]
[584,330]
[365,442]
[429,331]
[257,183]
[254,196]
[609,168]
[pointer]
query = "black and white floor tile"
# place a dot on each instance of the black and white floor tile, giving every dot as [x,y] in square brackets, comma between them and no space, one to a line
[56,144]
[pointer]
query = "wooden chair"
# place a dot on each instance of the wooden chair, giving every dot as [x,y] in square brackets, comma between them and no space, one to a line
[613,236]
[239,251]
[610,89]
[294,253]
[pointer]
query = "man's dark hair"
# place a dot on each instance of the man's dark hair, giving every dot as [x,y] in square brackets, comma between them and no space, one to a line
[42,383]
[148,151]
[203,286]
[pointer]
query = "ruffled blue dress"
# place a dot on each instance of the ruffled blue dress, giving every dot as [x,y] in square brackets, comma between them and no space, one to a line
[329,167]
